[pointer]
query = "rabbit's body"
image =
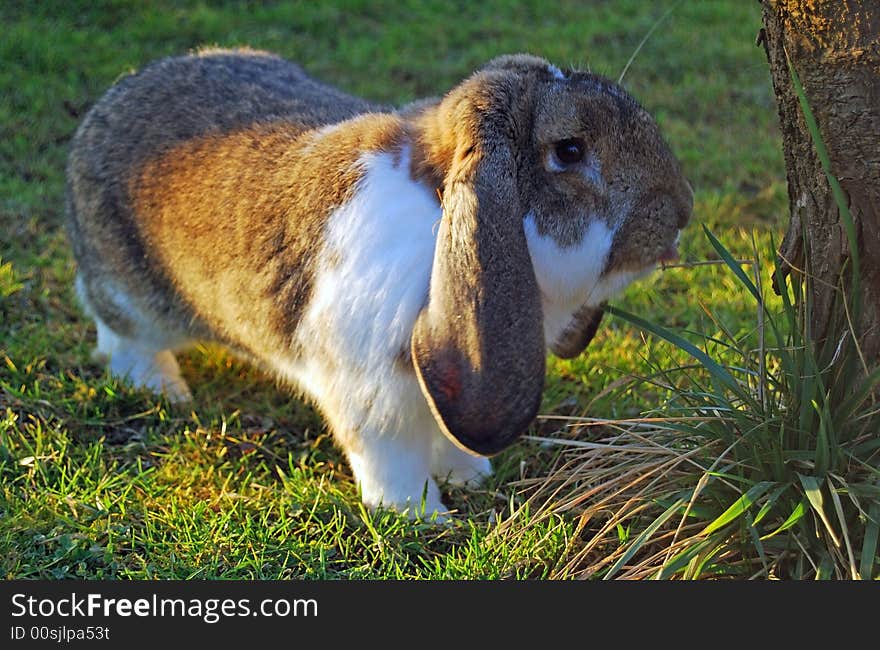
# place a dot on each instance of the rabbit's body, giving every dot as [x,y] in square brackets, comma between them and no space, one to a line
[227,196]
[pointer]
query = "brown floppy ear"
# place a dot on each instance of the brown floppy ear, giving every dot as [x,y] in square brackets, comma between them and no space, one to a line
[478,345]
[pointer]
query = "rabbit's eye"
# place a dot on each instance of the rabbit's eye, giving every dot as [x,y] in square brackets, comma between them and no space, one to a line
[569,152]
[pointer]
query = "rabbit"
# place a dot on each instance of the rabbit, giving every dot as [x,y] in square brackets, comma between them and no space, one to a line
[407,269]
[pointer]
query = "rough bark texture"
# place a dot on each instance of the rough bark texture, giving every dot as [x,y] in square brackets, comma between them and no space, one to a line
[834,45]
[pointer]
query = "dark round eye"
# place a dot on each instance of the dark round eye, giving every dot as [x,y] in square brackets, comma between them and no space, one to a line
[570,151]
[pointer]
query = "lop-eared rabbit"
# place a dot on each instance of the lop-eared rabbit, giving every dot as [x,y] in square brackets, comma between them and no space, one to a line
[406,269]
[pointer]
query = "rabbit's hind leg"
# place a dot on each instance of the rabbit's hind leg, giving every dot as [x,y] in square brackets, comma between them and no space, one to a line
[141,363]
[142,355]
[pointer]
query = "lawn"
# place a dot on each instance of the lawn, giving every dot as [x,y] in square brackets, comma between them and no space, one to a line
[99,480]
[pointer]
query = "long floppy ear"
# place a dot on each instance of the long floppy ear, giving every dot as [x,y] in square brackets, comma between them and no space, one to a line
[478,345]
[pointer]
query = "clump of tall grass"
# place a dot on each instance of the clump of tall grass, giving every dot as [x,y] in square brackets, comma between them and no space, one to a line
[764,461]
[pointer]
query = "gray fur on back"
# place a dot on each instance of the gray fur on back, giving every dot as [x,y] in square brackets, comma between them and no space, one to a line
[180,98]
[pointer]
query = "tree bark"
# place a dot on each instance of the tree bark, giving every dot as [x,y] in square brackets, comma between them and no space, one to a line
[834,46]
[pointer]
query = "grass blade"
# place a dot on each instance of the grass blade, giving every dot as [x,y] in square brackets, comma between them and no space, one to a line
[799,511]
[771,501]
[738,507]
[681,560]
[717,371]
[813,491]
[838,508]
[869,543]
[826,568]
[732,264]
[643,537]
[823,451]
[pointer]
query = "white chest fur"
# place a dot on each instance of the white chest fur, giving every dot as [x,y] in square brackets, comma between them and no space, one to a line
[383,244]
[375,269]
[571,277]
[372,281]
[568,277]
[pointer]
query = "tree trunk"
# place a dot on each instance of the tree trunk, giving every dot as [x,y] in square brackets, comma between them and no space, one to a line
[834,46]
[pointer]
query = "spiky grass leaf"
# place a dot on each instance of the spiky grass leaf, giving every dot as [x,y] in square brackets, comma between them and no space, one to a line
[869,544]
[823,441]
[813,491]
[9,282]
[825,570]
[769,503]
[796,515]
[732,264]
[683,559]
[716,370]
[738,507]
[841,518]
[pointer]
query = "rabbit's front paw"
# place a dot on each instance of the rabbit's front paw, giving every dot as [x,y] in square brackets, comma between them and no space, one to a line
[456,467]
[400,482]
[421,503]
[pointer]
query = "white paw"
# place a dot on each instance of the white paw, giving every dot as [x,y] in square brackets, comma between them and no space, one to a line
[157,371]
[415,500]
[456,467]
[404,487]
[175,389]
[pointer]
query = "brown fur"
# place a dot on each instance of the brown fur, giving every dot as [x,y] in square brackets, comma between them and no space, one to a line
[477,347]
[239,274]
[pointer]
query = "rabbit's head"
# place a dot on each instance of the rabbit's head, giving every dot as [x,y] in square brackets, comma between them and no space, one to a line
[557,190]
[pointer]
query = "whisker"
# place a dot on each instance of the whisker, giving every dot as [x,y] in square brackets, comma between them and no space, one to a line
[645,40]
[687,265]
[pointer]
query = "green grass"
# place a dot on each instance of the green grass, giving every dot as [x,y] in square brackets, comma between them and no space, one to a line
[100,480]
